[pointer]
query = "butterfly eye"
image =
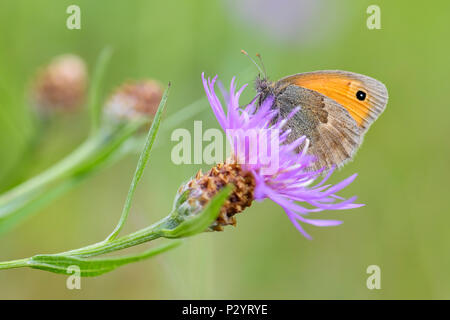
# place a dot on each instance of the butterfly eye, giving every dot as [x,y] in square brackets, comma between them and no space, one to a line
[361,95]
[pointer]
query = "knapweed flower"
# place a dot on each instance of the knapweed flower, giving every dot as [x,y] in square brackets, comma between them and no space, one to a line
[61,85]
[134,100]
[263,165]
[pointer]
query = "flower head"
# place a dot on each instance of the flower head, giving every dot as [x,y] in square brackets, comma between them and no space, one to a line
[273,168]
[61,85]
[134,100]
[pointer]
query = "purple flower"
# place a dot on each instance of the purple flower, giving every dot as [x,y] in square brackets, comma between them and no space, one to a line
[284,176]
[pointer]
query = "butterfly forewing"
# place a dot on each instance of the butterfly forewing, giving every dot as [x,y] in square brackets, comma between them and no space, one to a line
[363,97]
[333,134]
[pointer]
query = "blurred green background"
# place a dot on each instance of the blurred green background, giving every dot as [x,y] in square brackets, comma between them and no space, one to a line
[403,164]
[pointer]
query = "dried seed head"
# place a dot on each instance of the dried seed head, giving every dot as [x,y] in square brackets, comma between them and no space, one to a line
[197,192]
[61,85]
[134,99]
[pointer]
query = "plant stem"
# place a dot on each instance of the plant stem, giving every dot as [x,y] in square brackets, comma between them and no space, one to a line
[143,235]
[60,169]
[20,263]
[87,155]
[94,105]
[172,226]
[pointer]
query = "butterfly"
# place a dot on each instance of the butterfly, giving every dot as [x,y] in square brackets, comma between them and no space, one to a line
[335,110]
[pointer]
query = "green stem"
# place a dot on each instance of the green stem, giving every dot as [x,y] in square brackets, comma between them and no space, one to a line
[144,235]
[175,225]
[94,105]
[138,237]
[88,155]
[20,263]
[59,170]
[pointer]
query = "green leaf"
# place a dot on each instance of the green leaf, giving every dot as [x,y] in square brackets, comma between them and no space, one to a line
[94,104]
[143,159]
[92,267]
[201,221]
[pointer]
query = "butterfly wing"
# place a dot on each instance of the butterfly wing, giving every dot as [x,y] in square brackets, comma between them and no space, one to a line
[363,97]
[333,134]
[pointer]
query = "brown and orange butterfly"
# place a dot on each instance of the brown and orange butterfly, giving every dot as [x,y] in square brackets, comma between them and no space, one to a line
[336,110]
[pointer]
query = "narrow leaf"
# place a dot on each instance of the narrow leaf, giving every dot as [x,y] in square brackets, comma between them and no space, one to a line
[203,220]
[143,159]
[92,267]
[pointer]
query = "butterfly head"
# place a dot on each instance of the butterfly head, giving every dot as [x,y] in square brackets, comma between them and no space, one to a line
[263,86]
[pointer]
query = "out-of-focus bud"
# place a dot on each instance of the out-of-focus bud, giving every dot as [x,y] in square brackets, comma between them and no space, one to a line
[61,85]
[193,196]
[134,100]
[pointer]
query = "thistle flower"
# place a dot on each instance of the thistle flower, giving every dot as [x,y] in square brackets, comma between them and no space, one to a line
[134,100]
[61,85]
[283,177]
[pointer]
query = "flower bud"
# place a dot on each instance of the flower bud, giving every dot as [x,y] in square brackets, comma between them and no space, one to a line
[61,85]
[193,196]
[134,100]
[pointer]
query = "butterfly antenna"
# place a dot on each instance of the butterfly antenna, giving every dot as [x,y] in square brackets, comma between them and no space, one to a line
[254,62]
[262,64]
